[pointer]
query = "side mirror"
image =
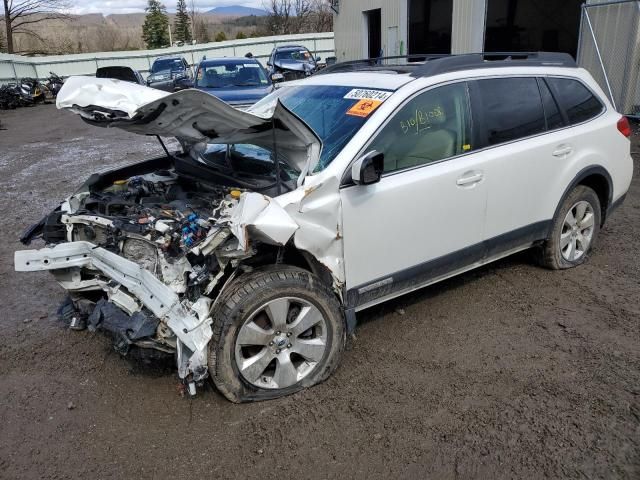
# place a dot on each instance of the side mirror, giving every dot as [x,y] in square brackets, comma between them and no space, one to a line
[368,168]
[318,59]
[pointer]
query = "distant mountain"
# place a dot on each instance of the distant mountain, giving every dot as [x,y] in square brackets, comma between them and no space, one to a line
[238,10]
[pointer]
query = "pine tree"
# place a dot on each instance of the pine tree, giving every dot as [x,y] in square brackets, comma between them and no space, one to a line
[181,25]
[155,31]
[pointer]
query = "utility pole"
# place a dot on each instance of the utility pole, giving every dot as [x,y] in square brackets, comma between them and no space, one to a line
[7,21]
[170,38]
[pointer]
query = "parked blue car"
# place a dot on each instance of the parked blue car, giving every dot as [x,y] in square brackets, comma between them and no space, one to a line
[240,82]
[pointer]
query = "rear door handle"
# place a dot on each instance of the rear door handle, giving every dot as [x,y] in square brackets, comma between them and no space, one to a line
[469,178]
[562,151]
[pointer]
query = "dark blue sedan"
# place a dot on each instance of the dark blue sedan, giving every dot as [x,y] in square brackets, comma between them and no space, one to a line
[240,82]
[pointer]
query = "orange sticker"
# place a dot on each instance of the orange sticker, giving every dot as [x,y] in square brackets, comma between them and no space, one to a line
[364,107]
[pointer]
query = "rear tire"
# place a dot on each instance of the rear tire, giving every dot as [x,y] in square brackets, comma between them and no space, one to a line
[275,332]
[575,230]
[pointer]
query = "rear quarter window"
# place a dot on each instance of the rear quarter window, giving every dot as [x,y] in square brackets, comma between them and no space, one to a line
[575,99]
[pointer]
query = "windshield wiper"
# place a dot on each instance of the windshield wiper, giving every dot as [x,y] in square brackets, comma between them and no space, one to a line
[246,84]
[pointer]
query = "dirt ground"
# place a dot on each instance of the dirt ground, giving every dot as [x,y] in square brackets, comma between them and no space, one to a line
[510,371]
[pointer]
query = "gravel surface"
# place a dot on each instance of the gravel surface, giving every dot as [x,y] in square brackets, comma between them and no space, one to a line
[510,371]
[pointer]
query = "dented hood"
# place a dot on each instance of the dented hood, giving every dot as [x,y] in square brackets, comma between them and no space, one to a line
[192,116]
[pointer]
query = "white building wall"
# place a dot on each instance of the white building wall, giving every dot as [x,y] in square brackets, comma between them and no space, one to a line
[351,34]
[467,35]
[469,20]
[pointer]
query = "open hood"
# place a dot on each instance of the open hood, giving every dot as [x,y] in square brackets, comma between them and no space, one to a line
[192,116]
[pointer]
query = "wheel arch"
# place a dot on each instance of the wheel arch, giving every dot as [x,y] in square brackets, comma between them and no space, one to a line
[599,180]
[290,255]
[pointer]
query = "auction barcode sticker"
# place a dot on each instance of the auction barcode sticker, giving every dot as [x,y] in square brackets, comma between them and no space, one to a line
[364,94]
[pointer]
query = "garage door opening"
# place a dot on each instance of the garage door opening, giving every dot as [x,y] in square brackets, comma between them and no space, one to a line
[373,29]
[533,25]
[430,26]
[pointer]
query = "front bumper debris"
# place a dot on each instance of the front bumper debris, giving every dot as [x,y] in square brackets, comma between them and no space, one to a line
[190,322]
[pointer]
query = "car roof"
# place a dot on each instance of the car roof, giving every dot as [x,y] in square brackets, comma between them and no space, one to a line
[392,80]
[384,81]
[430,65]
[169,57]
[290,47]
[211,61]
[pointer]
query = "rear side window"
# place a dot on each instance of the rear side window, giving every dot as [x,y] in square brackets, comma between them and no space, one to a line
[511,107]
[575,99]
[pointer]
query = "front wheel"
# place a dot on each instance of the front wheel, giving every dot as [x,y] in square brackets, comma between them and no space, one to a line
[275,332]
[575,230]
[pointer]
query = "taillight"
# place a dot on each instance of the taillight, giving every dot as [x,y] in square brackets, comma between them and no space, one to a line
[624,127]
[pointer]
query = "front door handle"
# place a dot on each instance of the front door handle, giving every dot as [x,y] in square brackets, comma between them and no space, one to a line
[563,151]
[469,178]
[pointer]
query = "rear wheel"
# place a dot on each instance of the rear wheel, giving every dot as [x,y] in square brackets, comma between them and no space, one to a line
[575,230]
[276,332]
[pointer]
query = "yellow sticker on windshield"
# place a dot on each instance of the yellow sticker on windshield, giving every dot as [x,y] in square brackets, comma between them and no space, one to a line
[363,108]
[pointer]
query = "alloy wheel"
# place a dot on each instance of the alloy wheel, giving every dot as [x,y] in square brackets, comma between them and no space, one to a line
[577,231]
[281,343]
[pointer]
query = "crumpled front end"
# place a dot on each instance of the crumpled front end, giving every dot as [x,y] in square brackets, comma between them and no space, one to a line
[146,251]
[147,257]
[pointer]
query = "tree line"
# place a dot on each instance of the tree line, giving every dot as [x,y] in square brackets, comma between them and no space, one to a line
[34,26]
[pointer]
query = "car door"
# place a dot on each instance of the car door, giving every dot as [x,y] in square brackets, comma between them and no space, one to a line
[425,217]
[529,154]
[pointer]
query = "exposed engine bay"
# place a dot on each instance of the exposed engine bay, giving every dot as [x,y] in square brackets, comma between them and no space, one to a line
[184,230]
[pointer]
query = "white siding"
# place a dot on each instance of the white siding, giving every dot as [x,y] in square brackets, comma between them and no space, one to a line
[351,35]
[468,25]
[469,19]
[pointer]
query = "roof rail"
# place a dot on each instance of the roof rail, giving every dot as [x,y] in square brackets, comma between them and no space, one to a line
[453,63]
[395,64]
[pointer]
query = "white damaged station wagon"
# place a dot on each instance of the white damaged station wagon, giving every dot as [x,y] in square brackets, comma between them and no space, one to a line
[247,254]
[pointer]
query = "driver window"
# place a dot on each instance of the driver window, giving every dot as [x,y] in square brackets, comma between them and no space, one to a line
[431,127]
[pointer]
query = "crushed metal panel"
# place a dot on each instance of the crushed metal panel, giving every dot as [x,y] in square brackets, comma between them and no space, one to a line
[160,299]
[317,210]
[258,216]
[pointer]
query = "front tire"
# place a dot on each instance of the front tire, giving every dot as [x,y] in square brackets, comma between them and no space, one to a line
[575,230]
[275,332]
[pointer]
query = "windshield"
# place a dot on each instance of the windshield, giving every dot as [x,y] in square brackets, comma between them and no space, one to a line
[301,56]
[173,64]
[231,74]
[246,162]
[334,113]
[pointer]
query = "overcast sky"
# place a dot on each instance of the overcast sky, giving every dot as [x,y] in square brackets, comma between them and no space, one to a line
[135,6]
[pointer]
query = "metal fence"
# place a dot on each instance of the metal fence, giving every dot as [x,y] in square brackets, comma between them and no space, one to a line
[13,67]
[609,48]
